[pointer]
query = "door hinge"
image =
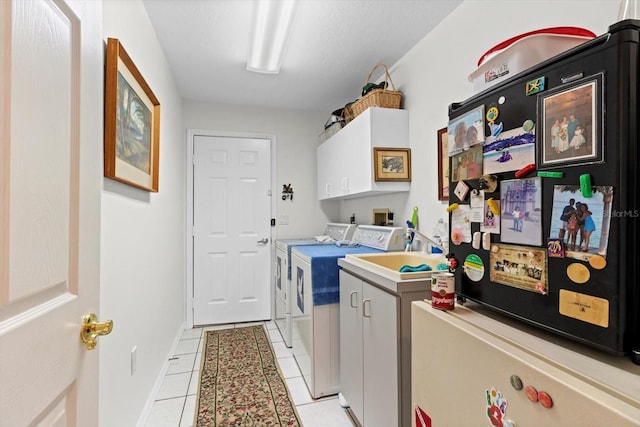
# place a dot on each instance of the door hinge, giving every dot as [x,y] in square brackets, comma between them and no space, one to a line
[193,231]
[269,192]
[273,222]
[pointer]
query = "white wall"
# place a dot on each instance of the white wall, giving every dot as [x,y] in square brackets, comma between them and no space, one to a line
[296,135]
[434,74]
[143,243]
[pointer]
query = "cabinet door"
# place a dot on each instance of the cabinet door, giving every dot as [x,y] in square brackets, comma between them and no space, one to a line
[380,357]
[351,342]
[327,173]
[356,173]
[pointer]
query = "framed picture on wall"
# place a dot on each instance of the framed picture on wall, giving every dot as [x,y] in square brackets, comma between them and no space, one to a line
[570,124]
[443,164]
[131,122]
[392,164]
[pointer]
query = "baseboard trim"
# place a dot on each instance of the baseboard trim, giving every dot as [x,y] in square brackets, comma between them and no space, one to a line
[163,372]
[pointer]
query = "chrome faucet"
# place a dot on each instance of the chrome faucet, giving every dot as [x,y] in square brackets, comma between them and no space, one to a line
[410,237]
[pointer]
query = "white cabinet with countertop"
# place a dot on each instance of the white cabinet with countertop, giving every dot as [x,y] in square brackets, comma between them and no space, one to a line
[375,349]
[345,161]
[475,367]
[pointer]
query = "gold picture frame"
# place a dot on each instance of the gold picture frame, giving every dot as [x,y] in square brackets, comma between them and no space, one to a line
[131,122]
[392,164]
[443,164]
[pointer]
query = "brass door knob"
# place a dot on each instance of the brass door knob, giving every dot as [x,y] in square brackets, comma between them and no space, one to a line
[92,329]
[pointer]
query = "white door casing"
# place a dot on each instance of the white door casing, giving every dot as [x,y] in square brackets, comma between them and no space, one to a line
[51,92]
[231,229]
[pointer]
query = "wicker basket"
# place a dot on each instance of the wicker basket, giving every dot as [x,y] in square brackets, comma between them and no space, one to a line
[347,113]
[377,97]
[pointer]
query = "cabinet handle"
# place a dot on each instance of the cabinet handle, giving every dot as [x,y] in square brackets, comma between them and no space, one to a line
[364,307]
[351,299]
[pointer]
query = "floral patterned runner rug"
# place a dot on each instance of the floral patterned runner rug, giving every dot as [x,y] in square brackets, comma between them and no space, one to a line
[241,383]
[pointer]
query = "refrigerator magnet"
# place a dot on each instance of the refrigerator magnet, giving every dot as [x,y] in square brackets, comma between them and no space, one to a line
[488,183]
[578,273]
[473,267]
[555,247]
[461,190]
[534,86]
[492,114]
[597,262]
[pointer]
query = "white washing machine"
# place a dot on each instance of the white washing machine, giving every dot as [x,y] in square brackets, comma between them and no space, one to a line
[335,232]
[315,303]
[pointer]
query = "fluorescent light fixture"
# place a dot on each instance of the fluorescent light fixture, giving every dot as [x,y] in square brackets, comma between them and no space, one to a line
[272,22]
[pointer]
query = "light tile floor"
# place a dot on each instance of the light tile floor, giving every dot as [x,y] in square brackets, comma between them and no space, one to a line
[175,402]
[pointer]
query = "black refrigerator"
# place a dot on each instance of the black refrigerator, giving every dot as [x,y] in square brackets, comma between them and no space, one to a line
[544,205]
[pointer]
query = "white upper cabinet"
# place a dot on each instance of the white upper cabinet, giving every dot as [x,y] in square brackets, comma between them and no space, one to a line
[346,163]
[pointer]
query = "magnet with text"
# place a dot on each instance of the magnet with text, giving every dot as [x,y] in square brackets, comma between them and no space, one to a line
[534,86]
[555,248]
[550,174]
[474,267]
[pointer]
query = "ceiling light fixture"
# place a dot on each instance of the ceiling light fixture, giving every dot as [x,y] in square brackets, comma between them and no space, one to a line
[272,22]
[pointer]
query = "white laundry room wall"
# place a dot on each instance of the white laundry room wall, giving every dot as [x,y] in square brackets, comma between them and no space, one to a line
[143,242]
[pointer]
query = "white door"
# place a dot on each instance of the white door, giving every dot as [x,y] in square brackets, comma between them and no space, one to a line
[232,229]
[51,83]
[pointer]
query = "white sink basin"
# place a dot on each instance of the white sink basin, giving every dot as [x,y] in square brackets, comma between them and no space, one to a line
[389,263]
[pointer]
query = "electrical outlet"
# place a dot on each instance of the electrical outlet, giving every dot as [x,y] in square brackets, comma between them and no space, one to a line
[134,359]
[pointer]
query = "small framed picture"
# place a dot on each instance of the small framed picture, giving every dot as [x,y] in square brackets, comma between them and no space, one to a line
[131,122]
[570,125]
[466,131]
[443,164]
[467,165]
[392,164]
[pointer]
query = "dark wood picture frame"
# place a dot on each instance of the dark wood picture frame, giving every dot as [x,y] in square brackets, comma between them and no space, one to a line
[443,164]
[131,122]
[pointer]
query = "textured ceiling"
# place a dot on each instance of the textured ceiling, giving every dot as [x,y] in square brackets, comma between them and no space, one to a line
[333,46]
